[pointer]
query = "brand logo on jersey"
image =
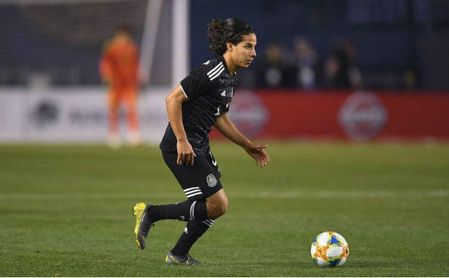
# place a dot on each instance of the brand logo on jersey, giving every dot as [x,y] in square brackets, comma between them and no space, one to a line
[211,180]
[206,63]
[227,92]
[362,116]
[212,159]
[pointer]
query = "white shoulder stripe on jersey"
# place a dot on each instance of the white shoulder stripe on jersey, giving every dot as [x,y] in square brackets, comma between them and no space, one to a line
[184,92]
[212,72]
[214,69]
[191,188]
[216,75]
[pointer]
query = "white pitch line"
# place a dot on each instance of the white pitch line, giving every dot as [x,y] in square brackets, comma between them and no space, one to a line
[297,194]
[324,194]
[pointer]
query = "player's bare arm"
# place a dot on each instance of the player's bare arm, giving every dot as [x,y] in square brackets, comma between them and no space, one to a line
[256,151]
[174,103]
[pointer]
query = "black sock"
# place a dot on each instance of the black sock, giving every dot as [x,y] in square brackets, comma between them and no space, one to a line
[184,211]
[193,231]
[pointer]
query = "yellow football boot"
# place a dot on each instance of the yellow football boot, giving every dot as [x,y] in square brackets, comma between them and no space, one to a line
[143,223]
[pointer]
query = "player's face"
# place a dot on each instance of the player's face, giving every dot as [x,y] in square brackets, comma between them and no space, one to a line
[244,52]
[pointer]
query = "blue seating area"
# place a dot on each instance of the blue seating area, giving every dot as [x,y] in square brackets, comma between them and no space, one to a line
[25,50]
[392,39]
[61,41]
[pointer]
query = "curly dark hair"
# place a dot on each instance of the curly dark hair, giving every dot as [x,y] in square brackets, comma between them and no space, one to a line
[219,32]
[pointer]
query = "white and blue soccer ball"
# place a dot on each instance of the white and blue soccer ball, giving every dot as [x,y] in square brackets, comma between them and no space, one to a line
[329,249]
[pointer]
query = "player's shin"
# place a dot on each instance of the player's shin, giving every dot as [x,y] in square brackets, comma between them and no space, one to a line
[192,231]
[184,211]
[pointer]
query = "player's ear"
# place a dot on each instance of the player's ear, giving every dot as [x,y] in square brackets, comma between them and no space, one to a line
[229,46]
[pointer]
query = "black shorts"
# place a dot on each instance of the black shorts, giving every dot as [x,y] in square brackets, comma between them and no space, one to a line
[198,181]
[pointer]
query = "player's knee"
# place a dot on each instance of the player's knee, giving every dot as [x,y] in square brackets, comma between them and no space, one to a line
[217,209]
[216,212]
[222,208]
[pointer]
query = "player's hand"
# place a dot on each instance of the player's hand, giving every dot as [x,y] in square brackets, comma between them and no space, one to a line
[186,155]
[258,152]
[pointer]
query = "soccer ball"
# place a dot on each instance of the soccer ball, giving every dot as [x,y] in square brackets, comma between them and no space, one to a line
[329,249]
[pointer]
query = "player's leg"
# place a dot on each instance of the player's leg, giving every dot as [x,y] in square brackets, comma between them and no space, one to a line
[132,115]
[179,255]
[113,117]
[146,215]
[217,205]
[193,230]
[201,187]
[191,209]
[197,182]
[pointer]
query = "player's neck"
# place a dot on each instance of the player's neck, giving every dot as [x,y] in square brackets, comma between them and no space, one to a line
[232,68]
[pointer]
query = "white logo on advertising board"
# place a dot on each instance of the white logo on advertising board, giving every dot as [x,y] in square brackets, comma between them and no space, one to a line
[362,116]
[248,112]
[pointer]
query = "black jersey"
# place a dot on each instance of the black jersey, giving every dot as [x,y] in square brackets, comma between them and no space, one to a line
[209,90]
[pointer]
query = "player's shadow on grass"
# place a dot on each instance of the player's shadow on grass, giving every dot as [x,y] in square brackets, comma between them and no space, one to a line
[369,264]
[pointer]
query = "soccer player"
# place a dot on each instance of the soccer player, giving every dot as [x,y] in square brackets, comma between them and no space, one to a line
[118,69]
[201,101]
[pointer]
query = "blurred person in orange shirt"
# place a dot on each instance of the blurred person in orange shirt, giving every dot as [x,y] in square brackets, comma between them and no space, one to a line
[119,70]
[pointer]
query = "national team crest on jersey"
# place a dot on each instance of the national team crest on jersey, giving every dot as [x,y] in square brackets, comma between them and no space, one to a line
[211,180]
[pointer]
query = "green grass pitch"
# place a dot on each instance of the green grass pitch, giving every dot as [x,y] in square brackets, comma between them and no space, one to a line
[66,211]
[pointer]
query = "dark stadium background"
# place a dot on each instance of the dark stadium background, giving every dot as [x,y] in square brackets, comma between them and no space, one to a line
[366,155]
